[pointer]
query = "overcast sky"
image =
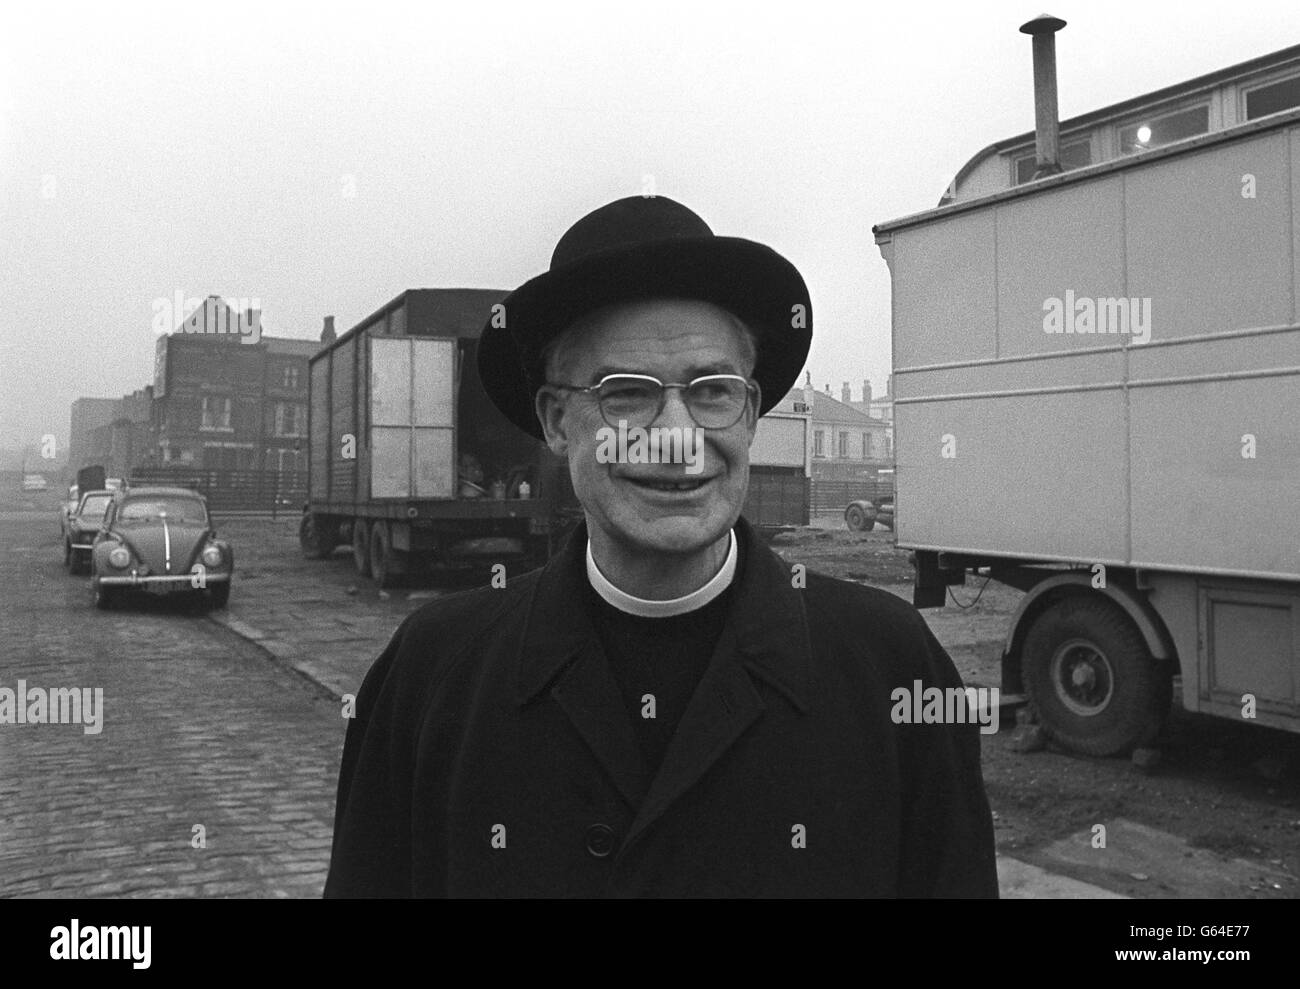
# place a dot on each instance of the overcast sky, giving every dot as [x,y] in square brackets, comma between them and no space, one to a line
[146,150]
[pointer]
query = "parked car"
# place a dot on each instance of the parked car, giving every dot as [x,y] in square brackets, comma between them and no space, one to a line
[160,540]
[67,509]
[81,528]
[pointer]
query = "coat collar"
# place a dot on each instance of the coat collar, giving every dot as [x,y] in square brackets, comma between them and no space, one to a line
[767,620]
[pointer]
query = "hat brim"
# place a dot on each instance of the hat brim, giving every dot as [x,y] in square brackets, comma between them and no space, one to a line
[741,276]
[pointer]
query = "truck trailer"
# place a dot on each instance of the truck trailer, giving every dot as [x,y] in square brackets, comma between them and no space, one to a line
[1097,372]
[408,459]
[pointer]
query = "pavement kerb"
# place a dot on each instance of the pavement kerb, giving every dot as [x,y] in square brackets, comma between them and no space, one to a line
[275,650]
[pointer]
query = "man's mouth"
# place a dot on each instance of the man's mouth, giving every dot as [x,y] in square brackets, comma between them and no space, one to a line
[690,484]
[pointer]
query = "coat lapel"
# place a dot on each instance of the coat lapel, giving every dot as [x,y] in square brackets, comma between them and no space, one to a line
[765,636]
[560,648]
[587,693]
[724,705]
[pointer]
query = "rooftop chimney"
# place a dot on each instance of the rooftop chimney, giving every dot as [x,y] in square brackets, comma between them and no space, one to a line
[846,395]
[327,334]
[866,390]
[1047,124]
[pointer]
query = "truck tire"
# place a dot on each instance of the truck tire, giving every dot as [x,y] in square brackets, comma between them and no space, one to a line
[361,546]
[386,564]
[855,517]
[1091,679]
[315,537]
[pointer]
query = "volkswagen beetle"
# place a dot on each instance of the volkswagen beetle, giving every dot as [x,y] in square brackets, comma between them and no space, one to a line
[161,540]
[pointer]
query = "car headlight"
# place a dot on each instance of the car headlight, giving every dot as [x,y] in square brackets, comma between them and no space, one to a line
[119,557]
[212,556]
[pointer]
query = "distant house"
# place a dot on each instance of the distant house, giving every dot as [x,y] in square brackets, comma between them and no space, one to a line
[223,402]
[126,440]
[88,414]
[847,442]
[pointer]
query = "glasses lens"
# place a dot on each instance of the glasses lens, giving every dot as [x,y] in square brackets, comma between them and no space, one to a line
[629,399]
[717,403]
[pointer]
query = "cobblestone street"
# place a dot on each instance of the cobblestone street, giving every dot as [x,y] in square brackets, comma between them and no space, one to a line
[204,742]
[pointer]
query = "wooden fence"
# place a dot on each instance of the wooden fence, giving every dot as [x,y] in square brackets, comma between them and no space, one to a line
[233,490]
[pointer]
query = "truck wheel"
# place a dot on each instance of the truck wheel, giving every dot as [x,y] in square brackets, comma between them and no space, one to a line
[1090,678]
[314,537]
[386,563]
[361,546]
[855,517]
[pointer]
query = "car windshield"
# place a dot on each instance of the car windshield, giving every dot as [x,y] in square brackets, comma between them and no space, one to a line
[176,509]
[94,505]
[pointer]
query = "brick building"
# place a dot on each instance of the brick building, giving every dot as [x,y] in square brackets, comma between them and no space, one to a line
[127,439]
[222,402]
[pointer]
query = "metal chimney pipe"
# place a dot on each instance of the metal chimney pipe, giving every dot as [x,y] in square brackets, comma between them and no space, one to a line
[1047,123]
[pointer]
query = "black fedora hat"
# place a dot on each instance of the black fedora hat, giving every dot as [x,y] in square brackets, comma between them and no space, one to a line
[642,248]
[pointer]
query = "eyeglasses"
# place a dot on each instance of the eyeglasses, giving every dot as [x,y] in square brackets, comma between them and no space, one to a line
[715,401]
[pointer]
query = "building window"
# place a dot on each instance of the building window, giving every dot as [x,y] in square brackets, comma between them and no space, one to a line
[1155,131]
[819,443]
[844,444]
[1273,98]
[866,446]
[290,419]
[290,376]
[1075,154]
[216,412]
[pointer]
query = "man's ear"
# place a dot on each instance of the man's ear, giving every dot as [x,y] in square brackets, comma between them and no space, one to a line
[550,413]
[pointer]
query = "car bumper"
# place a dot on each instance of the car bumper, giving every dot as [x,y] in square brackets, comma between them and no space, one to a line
[160,581]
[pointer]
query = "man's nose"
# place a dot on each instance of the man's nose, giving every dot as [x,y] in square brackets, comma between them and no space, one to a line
[675,411]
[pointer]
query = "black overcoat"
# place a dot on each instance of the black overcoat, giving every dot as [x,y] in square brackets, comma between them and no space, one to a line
[492,754]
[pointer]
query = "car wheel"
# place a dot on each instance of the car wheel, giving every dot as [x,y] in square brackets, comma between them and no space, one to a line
[219,593]
[105,597]
[361,546]
[1091,679]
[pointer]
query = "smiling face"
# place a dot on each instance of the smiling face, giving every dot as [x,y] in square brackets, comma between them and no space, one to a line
[662,509]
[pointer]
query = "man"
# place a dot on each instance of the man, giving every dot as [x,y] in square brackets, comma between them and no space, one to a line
[667,708]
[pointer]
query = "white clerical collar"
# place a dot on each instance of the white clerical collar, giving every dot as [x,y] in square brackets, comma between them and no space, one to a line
[645,608]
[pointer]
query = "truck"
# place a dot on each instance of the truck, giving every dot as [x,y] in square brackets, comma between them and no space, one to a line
[411,464]
[1097,373]
[409,461]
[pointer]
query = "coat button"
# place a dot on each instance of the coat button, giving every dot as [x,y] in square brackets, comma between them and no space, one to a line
[600,840]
